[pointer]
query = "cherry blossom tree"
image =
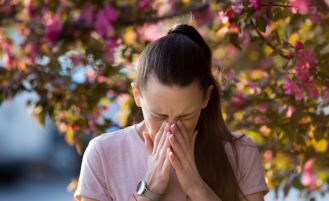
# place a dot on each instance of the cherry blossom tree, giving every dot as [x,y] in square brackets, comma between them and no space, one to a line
[271,58]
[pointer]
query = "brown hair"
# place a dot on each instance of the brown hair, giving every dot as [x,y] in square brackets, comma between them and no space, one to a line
[178,59]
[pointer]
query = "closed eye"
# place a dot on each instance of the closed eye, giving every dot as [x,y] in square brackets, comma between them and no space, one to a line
[182,119]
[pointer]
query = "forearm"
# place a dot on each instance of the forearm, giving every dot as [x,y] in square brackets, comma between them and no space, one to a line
[139,198]
[204,193]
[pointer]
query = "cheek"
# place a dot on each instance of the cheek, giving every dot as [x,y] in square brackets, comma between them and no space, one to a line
[152,125]
[190,126]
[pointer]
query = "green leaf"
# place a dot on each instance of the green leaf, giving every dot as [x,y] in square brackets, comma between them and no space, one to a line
[234,39]
[277,16]
[318,134]
[296,183]
[275,52]
[261,24]
[262,11]
[309,44]
[227,5]
[251,13]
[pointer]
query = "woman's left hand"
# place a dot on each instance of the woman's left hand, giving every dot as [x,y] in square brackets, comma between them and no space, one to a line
[184,165]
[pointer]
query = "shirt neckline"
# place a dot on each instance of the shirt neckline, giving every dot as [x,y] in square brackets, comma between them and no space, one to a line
[137,137]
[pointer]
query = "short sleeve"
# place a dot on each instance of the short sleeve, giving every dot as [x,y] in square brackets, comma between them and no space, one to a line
[92,182]
[252,178]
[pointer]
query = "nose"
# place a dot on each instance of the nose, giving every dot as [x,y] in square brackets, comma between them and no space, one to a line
[172,121]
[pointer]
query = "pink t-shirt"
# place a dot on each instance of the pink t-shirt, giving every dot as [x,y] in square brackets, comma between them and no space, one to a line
[114,163]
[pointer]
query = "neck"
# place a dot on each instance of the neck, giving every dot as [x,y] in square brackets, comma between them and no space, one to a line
[140,127]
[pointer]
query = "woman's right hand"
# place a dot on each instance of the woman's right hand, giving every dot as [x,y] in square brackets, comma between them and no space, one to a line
[158,164]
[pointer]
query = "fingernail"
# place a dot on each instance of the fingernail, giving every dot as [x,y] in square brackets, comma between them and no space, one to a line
[172,126]
[167,125]
[171,135]
[163,123]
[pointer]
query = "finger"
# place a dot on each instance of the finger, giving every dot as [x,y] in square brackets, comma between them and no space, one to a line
[166,164]
[162,155]
[183,142]
[148,143]
[163,138]
[179,152]
[174,161]
[182,130]
[158,136]
[192,141]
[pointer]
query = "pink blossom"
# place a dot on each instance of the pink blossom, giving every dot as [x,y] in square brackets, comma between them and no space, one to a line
[301,5]
[105,19]
[231,76]
[7,60]
[238,99]
[143,4]
[104,108]
[264,63]
[327,2]
[256,4]
[262,107]
[32,50]
[238,6]
[5,45]
[264,129]
[76,60]
[87,15]
[299,45]
[151,31]
[204,16]
[312,93]
[110,45]
[302,73]
[306,58]
[252,88]
[29,8]
[325,97]
[290,56]
[314,15]
[91,74]
[260,119]
[101,79]
[310,84]
[308,176]
[290,111]
[227,16]
[53,28]
[293,88]
[268,154]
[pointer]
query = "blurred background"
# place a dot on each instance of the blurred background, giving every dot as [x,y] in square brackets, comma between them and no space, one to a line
[66,68]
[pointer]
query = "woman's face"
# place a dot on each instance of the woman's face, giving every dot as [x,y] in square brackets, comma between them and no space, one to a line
[162,103]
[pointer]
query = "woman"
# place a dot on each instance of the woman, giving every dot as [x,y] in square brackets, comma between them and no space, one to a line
[182,150]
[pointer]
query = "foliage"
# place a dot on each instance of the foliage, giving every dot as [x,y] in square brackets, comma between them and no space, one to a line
[270,56]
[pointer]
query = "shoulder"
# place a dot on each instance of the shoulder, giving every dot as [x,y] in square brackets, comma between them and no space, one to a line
[243,142]
[246,149]
[113,137]
[111,140]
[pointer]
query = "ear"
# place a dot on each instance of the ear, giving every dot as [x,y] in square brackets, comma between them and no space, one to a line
[136,94]
[206,100]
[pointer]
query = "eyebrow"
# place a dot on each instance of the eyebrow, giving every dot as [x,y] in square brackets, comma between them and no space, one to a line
[184,115]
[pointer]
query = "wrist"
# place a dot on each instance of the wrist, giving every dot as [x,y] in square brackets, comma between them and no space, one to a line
[197,193]
[141,198]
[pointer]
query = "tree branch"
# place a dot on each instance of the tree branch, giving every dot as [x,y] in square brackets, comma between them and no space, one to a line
[150,19]
[262,37]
